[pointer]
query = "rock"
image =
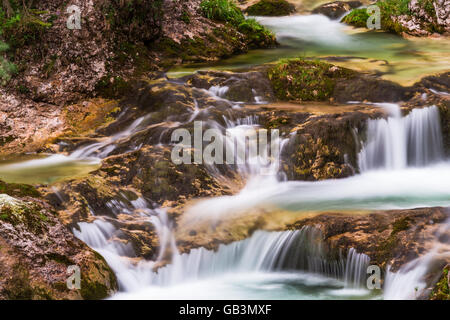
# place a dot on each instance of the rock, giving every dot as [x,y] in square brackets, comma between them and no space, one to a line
[307,80]
[35,251]
[271,8]
[387,237]
[368,88]
[441,288]
[336,9]
[248,87]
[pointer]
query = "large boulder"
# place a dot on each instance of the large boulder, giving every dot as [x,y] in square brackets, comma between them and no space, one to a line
[36,250]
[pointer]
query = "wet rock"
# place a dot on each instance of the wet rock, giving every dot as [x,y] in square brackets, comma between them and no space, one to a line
[441,288]
[325,147]
[307,80]
[336,9]
[366,88]
[250,87]
[387,237]
[36,250]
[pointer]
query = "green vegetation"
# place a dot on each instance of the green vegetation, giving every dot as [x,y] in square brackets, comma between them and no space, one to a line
[18,190]
[22,26]
[401,224]
[441,290]
[226,11]
[305,80]
[271,8]
[357,18]
[18,212]
[391,9]
[222,10]
[257,35]
[388,8]
[19,25]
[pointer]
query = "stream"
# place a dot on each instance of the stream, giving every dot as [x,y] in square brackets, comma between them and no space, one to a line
[402,165]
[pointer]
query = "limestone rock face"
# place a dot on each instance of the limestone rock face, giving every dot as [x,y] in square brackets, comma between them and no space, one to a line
[426,18]
[36,250]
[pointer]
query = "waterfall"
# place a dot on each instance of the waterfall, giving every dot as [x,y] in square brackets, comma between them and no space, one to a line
[412,280]
[268,252]
[398,142]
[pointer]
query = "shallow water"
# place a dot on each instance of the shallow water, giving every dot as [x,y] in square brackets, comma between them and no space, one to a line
[45,169]
[402,60]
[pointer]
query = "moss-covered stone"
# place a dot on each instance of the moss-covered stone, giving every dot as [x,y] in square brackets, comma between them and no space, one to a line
[18,190]
[271,8]
[357,18]
[17,212]
[441,289]
[93,290]
[305,80]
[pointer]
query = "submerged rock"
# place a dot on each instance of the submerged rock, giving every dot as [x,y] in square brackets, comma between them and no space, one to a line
[336,9]
[36,250]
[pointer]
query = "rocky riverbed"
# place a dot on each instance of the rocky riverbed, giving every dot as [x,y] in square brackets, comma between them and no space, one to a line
[89,119]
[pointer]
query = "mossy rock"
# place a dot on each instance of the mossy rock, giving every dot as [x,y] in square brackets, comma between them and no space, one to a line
[17,212]
[271,8]
[305,80]
[441,289]
[357,18]
[18,190]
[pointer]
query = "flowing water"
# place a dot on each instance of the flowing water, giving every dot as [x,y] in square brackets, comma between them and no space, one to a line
[402,60]
[401,164]
[295,264]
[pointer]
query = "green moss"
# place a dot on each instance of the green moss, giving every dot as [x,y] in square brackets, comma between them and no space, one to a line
[401,224]
[305,80]
[222,10]
[441,289]
[93,290]
[185,17]
[112,87]
[257,35]
[271,8]
[18,190]
[388,9]
[6,140]
[357,18]
[23,90]
[18,286]
[59,258]
[22,29]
